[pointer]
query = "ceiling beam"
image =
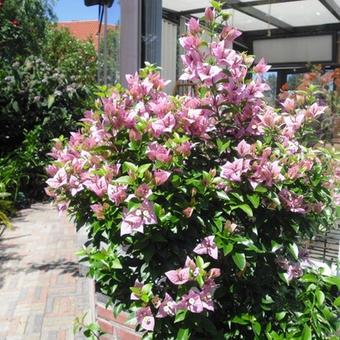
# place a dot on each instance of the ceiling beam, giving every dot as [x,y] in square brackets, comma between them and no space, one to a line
[246,8]
[298,31]
[238,4]
[257,14]
[332,6]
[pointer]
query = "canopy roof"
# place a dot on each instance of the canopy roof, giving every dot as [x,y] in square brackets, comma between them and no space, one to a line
[277,15]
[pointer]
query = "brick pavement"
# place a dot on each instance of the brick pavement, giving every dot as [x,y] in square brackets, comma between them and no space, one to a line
[41,291]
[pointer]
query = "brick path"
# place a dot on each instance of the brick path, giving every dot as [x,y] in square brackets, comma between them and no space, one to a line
[41,291]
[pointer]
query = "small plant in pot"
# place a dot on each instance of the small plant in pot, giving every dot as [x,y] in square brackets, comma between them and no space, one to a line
[197,207]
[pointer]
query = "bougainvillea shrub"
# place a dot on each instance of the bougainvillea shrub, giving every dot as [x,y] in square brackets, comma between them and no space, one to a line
[197,208]
[322,87]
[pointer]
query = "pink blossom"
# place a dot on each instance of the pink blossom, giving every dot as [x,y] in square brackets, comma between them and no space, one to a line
[261,67]
[243,148]
[148,213]
[163,125]
[288,104]
[189,42]
[184,149]
[191,301]
[189,263]
[168,307]
[294,271]
[207,246]
[97,184]
[158,152]
[193,25]
[206,295]
[267,173]
[269,119]
[135,219]
[145,318]
[179,276]
[209,15]
[98,210]
[229,34]
[161,176]
[75,185]
[214,273]
[234,170]
[59,179]
[143,191]
[292,202]
[132,222]
[51,170]
[314,111]
[116,193]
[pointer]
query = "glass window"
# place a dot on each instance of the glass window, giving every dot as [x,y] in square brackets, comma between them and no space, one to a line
[271,80]
[294,80]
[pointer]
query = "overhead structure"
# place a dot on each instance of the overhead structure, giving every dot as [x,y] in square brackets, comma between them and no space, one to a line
[270,19]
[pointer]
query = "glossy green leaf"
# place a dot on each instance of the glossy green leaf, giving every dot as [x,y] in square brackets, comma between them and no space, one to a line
[254,199]
[320,297]
[180,315]
[280,315]
[306,333]
[256,328]
[294,250]
[50,101]
[183,334]
[240,260]
[227,249]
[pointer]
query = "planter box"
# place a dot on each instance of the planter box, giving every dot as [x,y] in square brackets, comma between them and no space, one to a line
[116,328]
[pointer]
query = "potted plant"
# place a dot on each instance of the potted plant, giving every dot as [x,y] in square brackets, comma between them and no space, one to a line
[197,207]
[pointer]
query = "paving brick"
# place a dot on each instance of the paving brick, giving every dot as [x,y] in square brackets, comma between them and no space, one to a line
[40,293]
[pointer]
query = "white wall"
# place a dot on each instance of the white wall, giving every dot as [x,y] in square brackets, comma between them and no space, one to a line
[300,49]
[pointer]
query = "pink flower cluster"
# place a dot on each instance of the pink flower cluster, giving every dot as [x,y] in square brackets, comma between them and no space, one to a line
[196,300]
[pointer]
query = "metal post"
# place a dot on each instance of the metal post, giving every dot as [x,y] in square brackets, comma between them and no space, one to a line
[130,38]
[105,44]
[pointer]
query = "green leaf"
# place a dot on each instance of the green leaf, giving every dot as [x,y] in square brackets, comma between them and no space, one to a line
[260,188]
[15,106]
[337,302]
[143,168]
[255,200]
[294,250]
[237,196]
[240,260]
[320,297]
[333,280]
[256,328]
[199,262]
[275,246]
[279,316]
[183,334]
[308,278]
[222,195]
[246,208]
[129,166]
[306,333]
[122,180]
[180,315]
[227,248]
[216,4]
[50,100]
[222,147]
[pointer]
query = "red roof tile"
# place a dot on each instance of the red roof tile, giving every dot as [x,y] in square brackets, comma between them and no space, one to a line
[84,30]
